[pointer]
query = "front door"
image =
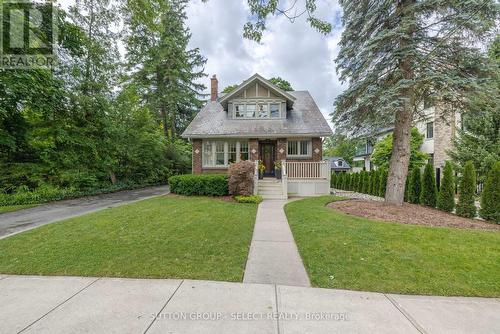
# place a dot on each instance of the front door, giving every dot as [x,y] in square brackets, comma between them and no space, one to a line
[267,154]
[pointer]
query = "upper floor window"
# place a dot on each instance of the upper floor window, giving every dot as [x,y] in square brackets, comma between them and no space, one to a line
[339,163]
[430,130]
[259,109]
[299,148]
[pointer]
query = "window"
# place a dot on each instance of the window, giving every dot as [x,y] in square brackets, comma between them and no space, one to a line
[339,163]
[250,113]
[263,112]
[275,110]
[430,130]
[219,153]
[222,153]
[299,148]
[243,151]
[239,110]
[231,158]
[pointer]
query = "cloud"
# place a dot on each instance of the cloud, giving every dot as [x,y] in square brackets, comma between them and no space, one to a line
[293,51]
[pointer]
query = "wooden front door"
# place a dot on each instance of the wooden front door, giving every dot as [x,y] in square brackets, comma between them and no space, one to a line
[267,154]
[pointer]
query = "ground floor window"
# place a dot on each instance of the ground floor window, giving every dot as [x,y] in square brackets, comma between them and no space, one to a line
[220,153]
[299,148]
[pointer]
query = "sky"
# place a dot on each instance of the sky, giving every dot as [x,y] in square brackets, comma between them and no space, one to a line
[294,51]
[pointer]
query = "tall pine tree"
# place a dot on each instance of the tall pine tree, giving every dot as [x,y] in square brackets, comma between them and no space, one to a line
[164,69]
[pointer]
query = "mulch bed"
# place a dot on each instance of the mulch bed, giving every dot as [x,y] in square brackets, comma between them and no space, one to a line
[408,214]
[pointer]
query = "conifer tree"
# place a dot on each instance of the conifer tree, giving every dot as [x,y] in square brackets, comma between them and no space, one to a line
[446,196]
[429,190]
[383,183]
[466,206]
[415,186]
[490,197]
[366,182]
[407,188]
[375,183]
[333,180]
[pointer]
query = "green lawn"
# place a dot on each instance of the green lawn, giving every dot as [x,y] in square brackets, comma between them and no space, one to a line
[163,237]
[346,252]
[10,208]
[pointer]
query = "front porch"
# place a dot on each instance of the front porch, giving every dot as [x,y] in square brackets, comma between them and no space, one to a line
[299,179]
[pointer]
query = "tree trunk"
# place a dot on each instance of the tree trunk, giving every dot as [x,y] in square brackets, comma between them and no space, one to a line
[400,158]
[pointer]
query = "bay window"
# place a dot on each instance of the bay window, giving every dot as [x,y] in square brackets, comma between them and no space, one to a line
[299,148]
[219,153]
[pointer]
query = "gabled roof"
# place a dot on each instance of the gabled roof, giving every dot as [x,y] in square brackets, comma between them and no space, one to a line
[333,163]
[303,119]
[247,83]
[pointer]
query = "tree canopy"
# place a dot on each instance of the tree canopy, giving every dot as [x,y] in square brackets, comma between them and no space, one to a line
[339,145]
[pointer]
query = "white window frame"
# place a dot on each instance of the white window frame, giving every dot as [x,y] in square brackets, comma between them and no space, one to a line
[300,142]
[427,130]
[257,102]
[213,158]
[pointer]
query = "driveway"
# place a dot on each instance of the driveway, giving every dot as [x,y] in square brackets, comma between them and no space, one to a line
[18,221]
[34,304]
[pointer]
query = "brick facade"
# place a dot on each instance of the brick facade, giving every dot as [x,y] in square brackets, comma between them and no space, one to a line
[253,153]
[196,156]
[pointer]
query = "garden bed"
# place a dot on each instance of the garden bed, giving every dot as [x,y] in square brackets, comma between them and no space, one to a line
[408,214]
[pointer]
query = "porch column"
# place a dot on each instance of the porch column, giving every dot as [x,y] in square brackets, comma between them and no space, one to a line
[317,149]
[253,149]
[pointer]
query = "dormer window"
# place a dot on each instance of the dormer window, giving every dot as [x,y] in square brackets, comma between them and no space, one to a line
[275,110]
[263,111]
[250,113]
[239,110]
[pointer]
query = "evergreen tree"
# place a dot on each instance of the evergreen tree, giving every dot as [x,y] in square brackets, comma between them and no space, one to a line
[383,183]
[490,197]
[395,54]
[376,184]
[164,68]
[333,180]
[446,196]
[341,181]
[429,190]
[415,186]
[366,182]
[349,181]
[466,206]
[407,189]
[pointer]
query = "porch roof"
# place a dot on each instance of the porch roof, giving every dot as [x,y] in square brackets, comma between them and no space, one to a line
[304,119]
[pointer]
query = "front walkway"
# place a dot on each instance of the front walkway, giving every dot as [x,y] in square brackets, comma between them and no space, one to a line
[273,256]
[34,304]
[22,220]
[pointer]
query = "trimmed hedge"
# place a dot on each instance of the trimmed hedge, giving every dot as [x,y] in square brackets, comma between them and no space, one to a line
[249,199]
[199,184]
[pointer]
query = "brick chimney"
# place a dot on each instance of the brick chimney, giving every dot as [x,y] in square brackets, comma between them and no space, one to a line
[214,88]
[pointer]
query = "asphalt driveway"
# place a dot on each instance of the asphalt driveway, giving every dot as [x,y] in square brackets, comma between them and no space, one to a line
[18,221]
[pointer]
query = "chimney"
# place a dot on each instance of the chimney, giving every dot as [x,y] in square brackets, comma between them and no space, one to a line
[214,88]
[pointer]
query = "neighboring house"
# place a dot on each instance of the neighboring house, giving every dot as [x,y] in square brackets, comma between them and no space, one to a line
[259,121]
[338,165]
[438,129]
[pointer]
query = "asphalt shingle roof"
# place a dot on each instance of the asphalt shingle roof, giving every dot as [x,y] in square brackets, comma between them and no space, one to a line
[304,119]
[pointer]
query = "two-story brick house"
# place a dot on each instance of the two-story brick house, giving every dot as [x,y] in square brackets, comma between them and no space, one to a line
[260,121]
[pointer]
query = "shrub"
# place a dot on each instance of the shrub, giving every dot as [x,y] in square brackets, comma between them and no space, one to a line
[490,198]
[249,199]
[446,196]
[349,181]
[407,188]
[366,183]
[429,190]
[240,181]
[383,183]
[333,180]
[361,176]
[375,183]
[415,186]
[466,206]
[355,182]
[199,184]
[342,180]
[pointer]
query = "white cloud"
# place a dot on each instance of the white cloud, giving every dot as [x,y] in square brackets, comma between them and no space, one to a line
[294,51]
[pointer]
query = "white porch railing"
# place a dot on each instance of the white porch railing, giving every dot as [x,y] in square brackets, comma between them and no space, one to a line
[256,178]
[284,178]
[308,170]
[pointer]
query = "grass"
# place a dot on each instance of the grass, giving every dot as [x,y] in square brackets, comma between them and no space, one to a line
[10,208]
[163,237]
[348,252]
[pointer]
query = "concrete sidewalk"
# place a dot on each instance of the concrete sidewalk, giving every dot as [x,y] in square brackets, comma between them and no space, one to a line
[33,304]
[273,256]
[22,220]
